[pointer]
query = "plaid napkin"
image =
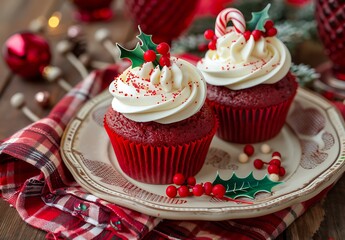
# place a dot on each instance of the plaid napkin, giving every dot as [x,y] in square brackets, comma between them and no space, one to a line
[34,180]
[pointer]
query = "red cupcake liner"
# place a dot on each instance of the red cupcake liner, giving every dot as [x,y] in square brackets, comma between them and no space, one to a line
[158,164]
[250,125]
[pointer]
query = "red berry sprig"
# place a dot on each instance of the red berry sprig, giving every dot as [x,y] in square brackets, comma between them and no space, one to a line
[189,187]
[164,49]
[270,31]
[209,35]
[274,165]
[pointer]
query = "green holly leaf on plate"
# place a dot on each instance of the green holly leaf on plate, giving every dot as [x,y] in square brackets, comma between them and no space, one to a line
[245,187]
[258,19]
[136,55]
[146,41]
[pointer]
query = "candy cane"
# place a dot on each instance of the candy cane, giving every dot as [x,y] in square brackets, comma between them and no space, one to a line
[227,15]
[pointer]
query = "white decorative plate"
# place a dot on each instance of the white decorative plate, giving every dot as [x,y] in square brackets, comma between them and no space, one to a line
[312,144]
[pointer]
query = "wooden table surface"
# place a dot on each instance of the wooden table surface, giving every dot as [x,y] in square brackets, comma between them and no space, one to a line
[326,220]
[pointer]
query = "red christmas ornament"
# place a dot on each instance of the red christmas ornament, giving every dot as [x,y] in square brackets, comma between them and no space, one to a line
[26,54]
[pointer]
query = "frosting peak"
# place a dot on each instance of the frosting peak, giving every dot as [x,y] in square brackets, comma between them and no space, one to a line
[166,95]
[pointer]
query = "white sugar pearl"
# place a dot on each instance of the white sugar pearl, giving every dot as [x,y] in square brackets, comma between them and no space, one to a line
[265,148]
[243,158]
[276,157]
[274,177]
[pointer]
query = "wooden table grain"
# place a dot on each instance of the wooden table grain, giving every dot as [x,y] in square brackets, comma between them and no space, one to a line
[326,220]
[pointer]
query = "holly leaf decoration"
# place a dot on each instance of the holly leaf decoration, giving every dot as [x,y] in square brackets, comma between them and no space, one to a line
[245,187]
[146,41]
[258,19]
[136,55]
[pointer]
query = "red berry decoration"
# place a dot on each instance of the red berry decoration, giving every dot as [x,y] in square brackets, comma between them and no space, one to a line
[209,34]
[149,56]
[276,154]
[271,32]
[164,61]
[178,179]
[275,162]
[208,188]
[256,34]
[171,191]
[191,181]
[198,190]
[268,24]
[218,190]
[212,45]
[247,34]
[273,169]
[163,48]
[183,191]
[249,150]
[282,171]
[258,163]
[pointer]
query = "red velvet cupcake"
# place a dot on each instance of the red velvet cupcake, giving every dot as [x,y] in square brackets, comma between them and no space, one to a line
[158,123]
[249,84]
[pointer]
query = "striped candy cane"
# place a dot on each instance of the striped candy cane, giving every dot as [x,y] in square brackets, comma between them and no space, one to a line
[227,15]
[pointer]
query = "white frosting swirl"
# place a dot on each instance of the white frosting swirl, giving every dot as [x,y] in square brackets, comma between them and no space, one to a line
[172,94]
[238,64]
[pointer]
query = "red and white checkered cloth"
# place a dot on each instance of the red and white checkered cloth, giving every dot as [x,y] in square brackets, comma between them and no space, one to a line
[34,179]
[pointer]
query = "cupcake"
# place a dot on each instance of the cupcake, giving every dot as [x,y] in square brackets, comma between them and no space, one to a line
[158,122]
[249,85]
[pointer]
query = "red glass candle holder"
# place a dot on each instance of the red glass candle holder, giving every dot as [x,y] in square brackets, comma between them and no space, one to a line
[165,20]
[330,19]
[93,10]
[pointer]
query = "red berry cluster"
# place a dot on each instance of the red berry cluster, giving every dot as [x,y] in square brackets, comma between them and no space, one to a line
[209,35]
[270,31]
[274,166]
[163,49]
[189,187]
